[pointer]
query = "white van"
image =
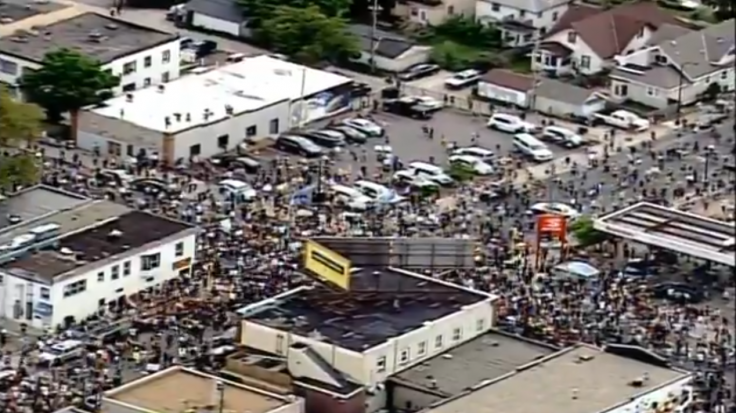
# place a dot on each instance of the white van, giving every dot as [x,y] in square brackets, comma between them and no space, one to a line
[378,192]
[351,197]
[62,352]
[432,172]
[237,188]
[532,147]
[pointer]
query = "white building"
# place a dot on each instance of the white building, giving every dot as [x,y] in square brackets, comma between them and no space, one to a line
[140,56]
[367,337]
[209,112]
[521,22]
[80,256]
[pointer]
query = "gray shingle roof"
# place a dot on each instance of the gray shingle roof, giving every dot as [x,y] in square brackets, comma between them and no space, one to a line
[563,92]
[386,44]
[532,6]
[696,52]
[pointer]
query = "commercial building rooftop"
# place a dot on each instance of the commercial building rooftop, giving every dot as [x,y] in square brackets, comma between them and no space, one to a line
[487,357]
[250,85]
[669,228]
[100,37]
[381,304]
[580,379]
[33,203]
[179,389]
[90,232]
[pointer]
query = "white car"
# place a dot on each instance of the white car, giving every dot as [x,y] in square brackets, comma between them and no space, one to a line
[555,208]
[510,123]
[429,102]
[562,136]
[412,180]
[237,190]
[365,126]
[475,164]
[462,79]
[352,197]
[377,192]
[486,155]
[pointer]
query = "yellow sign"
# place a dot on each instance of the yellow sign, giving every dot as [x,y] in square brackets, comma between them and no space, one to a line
[327,264]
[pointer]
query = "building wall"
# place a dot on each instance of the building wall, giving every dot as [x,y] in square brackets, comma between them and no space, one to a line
[51,305]
[154,74]
[235,128]
[321,402]
[502,94]
[215,24]
[580,49]
[410,399]
[434,15]
[555,107]
[91,142]
[489,11]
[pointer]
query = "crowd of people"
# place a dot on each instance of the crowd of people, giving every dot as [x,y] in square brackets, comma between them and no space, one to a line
[250,250]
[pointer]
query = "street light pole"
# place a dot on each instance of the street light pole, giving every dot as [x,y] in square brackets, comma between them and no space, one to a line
[374,24]
[678,108]
[221,390]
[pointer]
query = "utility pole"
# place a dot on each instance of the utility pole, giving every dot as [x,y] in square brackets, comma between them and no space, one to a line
[374,24]
[535,71]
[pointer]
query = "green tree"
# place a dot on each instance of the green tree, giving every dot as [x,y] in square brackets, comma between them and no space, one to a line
[585,233]
[308,35]
[261,10]
[20,125]
[468,32]
[67,82]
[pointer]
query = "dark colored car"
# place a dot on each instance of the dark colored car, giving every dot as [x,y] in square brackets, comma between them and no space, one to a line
[298,145]
[408,108]
[233,162]
[677,292]
[360,89]
[325,139]
[351,135]
[418,71]
[151,186]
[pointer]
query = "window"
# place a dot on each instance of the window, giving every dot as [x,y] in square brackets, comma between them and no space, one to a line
[101,276]
[522,13]
[9,67]
[652,91]
[195,150]
[555,16]
[129,87]
[179,249]
[381,364]
[150,262]
[724,75]
[438,342]
[166,56]
[129,68]
[115,272]
[126,268]
[422,348]
[45,293]
[273,127]
[457,334]
[495,7]
[280,344]
[75,288]
[480,324]
[707,80]
[251,131]
[572,37]
[147,61]
[450,10]
[165,76]
[422,15]
[223,141]
[147,81]
[414,11]
[585,62]
[621,90]
[404,356]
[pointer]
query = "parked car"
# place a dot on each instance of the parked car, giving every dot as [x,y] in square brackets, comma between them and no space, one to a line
[408,107]
[484,154]
[463,79]
[510,123]
[418,71]
[678,292]
[405,178]
[298,145]
[365,126]
[351,135]
[562,136]
[472,163]
[234,162]
[152,186]
[430,102]
[555,208]
[323,138]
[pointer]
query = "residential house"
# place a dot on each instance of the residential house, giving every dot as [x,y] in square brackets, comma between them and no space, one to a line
[221,16]
[390,52]
[545,95]
[586,39]
[433,12]
[521,21]
[677,69]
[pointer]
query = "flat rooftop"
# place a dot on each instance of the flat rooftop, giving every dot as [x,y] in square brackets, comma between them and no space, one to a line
[381,304]
[100,37]
[246,86]
[177,390]
[487,357]
[672,229]
[12,11]
[603,380]
[86,231]
[33,203]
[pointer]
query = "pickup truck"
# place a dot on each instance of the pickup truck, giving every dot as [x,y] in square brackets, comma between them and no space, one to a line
[623,119]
